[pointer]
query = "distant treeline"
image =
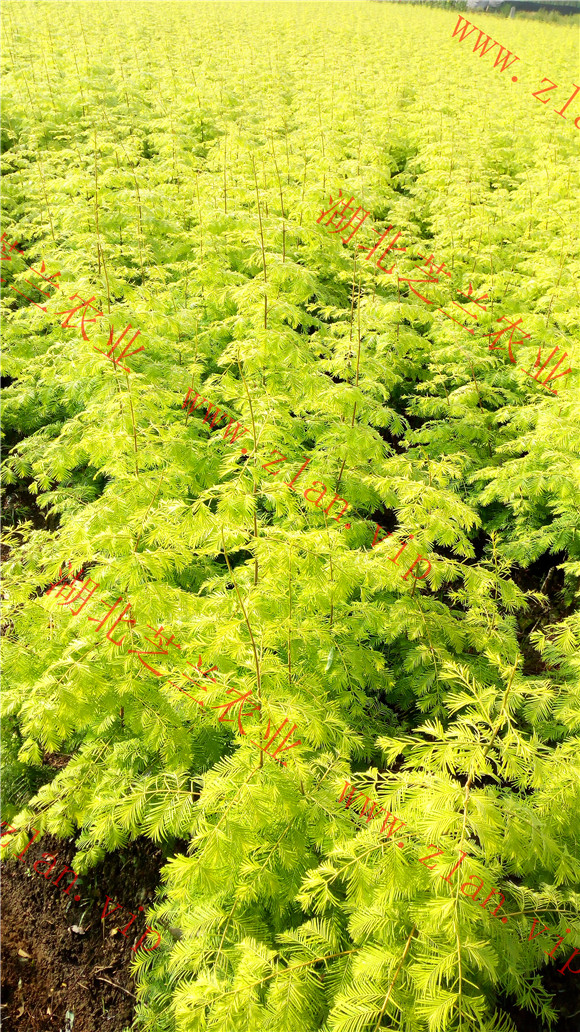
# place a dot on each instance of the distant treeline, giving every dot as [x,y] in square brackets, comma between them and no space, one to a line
[563,10]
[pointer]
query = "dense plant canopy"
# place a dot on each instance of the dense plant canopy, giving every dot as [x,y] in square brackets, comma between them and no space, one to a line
[171,161]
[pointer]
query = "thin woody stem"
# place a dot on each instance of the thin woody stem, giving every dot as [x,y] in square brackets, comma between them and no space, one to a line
[331,572]
[281,200]
[97,205]
[46,197]
[255,489]
[495,733]
[434,657]
[390,989]
[471,777]
[459,965]
[147,513]
[192,373]
[133,422]
[200,215]
[259,683]
[229,917]
[249,403]
[479,401]
[476,386]
[140,216]
[225,183]
[263,250]
[289,618]
[358,353]
[352,304]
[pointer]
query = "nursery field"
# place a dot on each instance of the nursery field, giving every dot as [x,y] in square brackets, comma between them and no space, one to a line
[283,281]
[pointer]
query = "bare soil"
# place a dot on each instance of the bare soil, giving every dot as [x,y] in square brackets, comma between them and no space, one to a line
[50,969]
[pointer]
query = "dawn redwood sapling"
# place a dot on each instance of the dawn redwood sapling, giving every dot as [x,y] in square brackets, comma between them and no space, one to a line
[354,796]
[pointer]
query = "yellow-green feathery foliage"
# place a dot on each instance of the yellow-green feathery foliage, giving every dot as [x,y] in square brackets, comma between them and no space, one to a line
[172,160]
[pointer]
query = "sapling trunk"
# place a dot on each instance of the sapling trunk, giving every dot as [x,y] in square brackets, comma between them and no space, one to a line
[281,200]
[289,618]
[97,208]
[40,169]
[255,488]
[225,184]
[262,242]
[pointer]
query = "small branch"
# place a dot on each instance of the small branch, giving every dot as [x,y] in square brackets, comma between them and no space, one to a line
[281,200]
[350,351]
[259,683]
[255,490]
[134,427]
[192,374]
[97,206]
[289,619]
[108,980]
[46,197]
[263,250]
[358,353]
[225,184]
[388,996]
[147,513]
